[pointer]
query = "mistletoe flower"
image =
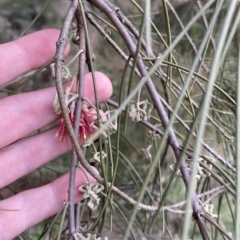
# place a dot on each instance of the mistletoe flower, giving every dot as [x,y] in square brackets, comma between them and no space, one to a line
[87,125]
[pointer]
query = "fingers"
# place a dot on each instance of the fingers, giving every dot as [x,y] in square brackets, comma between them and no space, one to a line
[27,53]
[35,205]
[24,113]
[29,154]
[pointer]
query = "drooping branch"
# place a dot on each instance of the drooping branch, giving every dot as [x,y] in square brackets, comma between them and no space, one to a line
[172,139]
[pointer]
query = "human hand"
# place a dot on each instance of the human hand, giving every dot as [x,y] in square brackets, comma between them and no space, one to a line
[23,114]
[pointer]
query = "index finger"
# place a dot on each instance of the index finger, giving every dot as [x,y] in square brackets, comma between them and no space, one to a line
[27,53]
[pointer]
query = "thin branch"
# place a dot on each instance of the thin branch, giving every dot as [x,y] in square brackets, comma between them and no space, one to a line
[149,52]
[105,34]
[213,192]
[78,108]
[61,44]
[214,223]
[206,24]
[206,69]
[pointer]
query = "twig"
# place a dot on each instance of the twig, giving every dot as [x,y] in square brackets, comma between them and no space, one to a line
[212,192]
[78,211]
[77,116]
[105,34]
[206,69]
[61,44]
[206,24]
[213,222]
[149,52]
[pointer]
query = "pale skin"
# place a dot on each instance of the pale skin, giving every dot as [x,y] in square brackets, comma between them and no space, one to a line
[21,115]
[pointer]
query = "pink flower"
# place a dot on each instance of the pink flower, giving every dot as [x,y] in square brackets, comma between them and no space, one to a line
[87,125]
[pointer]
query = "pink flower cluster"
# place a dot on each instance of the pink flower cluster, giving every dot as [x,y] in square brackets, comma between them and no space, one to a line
[87,125]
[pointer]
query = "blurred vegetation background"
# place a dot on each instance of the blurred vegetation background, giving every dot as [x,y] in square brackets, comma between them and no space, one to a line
[16,16]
